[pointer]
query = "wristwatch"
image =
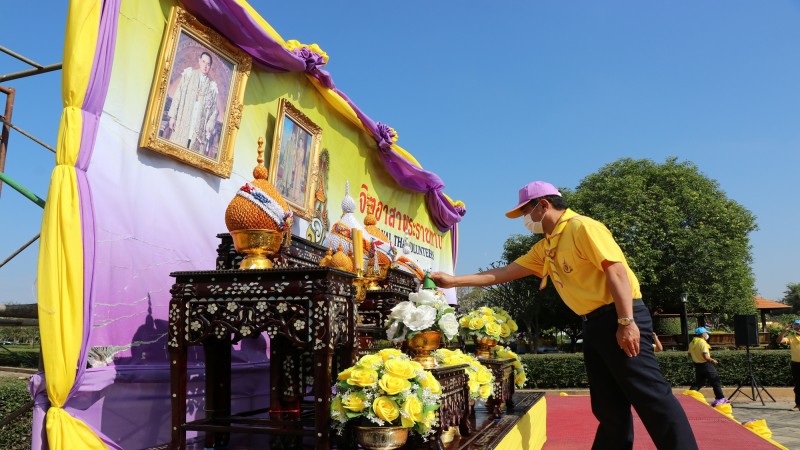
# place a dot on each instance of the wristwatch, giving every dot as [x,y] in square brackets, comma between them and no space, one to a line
[625,321]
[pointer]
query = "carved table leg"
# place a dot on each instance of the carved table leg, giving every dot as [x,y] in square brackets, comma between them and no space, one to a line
[323,358]
[465,425]
[510,399]
[218,386]
[177,373]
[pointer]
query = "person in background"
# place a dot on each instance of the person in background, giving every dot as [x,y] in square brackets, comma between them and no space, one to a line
[657,347]
[704,370]
[584,262]
[791,336]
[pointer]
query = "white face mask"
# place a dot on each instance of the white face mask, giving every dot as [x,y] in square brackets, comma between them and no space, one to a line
[533,227]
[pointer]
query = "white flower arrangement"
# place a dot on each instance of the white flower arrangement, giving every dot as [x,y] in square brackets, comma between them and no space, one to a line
[423,311]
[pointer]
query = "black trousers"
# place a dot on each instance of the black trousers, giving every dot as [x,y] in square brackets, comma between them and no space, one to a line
[616,382]
[796,377]
[707,372]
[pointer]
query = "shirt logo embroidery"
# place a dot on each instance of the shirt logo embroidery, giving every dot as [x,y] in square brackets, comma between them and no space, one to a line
[567,267]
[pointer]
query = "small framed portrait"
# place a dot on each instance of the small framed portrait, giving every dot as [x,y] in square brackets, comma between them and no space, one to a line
[293,164]
[196,99]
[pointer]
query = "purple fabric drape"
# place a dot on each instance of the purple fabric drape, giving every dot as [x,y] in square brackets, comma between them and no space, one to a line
[412,177]
[234,22]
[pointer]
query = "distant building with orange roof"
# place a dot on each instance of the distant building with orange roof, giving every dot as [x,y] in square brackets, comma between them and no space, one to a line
[765,306]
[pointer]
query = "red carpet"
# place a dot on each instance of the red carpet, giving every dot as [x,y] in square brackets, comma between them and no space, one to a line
[571,426]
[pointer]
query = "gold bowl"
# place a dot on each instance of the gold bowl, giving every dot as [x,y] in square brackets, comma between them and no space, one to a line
[484,347]
[422,344]
[381,438]
[259,246]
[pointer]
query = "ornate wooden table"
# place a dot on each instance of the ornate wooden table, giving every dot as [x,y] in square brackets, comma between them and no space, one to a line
[503,371]
[306,312]
[454,410]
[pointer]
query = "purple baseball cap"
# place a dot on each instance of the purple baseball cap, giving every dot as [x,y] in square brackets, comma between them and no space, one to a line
[532,190]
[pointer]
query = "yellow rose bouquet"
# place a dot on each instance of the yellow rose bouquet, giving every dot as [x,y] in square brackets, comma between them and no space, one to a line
[487,322]
[481,379]
[387,388]
[520,378]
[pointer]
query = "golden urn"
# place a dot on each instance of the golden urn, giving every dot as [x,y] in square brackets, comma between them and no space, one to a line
[381,438]
[484,346]
[259,219]
[422,344]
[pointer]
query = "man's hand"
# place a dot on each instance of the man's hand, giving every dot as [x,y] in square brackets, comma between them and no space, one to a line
[171,123]
[442,279]
[628,339]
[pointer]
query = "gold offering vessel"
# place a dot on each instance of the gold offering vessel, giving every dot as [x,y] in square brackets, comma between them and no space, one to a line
[259,219]
[259,246]
[381,438]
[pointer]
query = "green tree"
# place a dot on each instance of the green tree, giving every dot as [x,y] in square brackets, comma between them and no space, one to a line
[532,309]
[791,296]
[678,230]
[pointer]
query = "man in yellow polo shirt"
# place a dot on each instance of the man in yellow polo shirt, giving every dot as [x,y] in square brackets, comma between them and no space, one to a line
[580,257]
[704,370]
[791,336]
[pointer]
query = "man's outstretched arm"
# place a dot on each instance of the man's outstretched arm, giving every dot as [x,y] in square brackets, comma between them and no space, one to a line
[491,277]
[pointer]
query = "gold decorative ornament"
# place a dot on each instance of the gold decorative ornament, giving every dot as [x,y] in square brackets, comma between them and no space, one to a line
[449,435]
[259,219]
[381,438]
[341,261]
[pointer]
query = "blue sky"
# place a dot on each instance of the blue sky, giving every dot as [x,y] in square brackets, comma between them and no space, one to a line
[491,95]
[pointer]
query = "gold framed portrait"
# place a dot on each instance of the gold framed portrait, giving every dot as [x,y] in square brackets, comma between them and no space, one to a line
[196,99]
[293,163]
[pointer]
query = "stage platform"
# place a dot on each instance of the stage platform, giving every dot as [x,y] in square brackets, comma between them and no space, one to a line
[553,423]
[571,425]
[522,428]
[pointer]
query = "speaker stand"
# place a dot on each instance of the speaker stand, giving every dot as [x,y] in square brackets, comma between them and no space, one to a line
[752,381]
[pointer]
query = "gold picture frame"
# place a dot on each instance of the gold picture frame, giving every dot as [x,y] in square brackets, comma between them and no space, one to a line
[196,99]
[293,164]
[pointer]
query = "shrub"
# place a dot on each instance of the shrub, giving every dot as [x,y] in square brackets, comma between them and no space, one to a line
[667,325]
[20,357]
[554,371]
[770,367]
[17,434]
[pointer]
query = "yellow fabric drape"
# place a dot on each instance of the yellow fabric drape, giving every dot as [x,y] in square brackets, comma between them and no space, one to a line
[60,266]
[531,431]
[760,428]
